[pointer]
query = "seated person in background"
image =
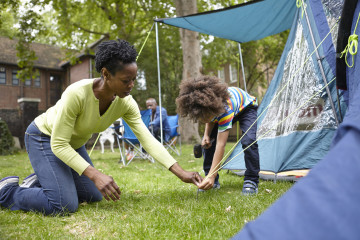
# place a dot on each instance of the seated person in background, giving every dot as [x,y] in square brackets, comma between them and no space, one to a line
[212,102]
[155,120]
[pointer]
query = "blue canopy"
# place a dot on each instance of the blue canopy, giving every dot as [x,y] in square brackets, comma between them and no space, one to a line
[241,23]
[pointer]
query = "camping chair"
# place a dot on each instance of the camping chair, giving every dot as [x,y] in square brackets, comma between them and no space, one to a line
[130,138]
[119,131]
[174,135]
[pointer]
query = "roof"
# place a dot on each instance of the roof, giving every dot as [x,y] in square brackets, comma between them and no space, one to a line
[88,52]
[48,56]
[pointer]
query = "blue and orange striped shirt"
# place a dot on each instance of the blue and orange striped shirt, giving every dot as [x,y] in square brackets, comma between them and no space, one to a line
[238,101]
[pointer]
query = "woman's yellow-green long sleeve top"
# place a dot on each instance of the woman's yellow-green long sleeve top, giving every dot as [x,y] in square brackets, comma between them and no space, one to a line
[75,117]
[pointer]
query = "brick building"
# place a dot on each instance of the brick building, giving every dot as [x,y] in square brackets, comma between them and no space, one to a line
[21,102]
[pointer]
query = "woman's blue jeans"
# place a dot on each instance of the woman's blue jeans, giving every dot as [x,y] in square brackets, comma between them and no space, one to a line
[61,187]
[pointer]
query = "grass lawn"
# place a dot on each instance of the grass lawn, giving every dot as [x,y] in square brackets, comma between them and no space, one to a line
[154,204]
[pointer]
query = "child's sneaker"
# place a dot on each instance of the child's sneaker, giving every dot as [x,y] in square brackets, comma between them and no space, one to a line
[8,180]
[249,188]
[30,181]
[216,186]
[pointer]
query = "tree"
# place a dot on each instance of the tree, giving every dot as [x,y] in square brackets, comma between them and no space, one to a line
[29,25]
[7,20]
[191,63]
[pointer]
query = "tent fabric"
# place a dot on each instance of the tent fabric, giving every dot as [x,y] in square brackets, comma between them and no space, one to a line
[324,204]
[304,138]
[242,23]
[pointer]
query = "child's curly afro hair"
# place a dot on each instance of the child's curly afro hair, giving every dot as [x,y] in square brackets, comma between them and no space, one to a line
[113,55]
[202,96]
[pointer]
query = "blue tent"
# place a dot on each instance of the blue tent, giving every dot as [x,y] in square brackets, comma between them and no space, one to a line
[325,204]
[304,138]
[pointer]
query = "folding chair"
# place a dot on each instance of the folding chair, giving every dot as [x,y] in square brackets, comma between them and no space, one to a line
[130,138]
[120,131]
[174,135]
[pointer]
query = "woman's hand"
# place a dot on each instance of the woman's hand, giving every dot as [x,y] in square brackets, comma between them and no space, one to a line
[206,143]
[186,176]
[104,183]
[191,177]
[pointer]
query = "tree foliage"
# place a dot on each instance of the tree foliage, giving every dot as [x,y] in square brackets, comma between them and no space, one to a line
[29,27]
[6,139]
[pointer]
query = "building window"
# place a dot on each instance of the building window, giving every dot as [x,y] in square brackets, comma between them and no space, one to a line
[15,80]
[233,74]
[37,82]
[55,88]
[28,82]
[221,74]
[2,75]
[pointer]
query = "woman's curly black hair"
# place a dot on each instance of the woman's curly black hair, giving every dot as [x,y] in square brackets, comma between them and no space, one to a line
[202,96]
[113,55]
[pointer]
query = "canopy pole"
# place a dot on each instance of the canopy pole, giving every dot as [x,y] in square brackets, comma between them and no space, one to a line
[159,80]
[242,66]
[321,68]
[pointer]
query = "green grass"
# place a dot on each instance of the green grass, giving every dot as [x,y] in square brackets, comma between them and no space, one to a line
[154,204]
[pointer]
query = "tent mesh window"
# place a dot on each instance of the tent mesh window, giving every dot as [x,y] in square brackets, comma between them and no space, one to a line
[316,114]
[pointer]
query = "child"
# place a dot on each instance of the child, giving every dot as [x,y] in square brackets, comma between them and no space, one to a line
[210,101]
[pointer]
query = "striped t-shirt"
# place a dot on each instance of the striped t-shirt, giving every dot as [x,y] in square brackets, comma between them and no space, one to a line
[238,101]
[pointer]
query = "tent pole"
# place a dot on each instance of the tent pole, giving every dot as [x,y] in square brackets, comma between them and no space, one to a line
[321,68]
[242,66]
[159,80]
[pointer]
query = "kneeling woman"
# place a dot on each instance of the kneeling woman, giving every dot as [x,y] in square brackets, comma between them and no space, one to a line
[55,140]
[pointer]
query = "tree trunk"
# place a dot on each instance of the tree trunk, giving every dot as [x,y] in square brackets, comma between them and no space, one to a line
[191,64]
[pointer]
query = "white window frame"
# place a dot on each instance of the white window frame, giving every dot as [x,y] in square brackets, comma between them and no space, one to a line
[3,70]
[221,71]
[27,81]
[12,78]
[37,80]
[232,80]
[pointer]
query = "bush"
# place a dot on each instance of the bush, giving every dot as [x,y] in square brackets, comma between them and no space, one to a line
[6,139]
